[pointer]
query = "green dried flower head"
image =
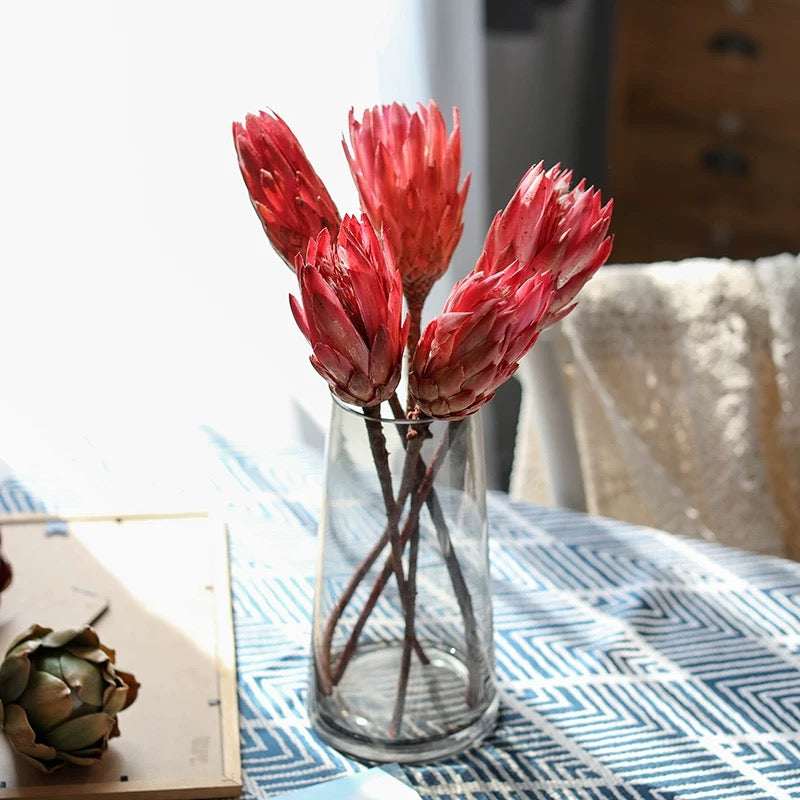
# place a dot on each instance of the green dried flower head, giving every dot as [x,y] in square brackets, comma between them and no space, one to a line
[60,694]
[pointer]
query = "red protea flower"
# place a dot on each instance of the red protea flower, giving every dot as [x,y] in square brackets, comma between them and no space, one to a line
[407,171]
[287,194]
[548,227]
[488,323]
[352,312]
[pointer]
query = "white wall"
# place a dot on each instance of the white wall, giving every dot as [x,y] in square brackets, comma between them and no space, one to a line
[136,285]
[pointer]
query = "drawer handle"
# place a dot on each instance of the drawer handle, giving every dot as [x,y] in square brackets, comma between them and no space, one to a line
[733,43]
[725,162]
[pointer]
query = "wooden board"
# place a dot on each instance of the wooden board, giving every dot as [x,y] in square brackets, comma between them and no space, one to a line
[161,591]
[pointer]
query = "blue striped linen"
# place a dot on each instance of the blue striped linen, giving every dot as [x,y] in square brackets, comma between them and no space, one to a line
[632,663]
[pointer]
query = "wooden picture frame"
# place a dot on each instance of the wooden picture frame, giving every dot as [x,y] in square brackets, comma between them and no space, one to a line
[158,593]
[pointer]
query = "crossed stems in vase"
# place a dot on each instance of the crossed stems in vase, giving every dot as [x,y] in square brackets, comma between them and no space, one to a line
[417,480]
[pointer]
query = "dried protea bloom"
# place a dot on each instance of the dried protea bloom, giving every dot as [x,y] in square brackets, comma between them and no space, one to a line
[60,694]
[287,194]
[351,312]
[407,171]
[488,323]
[545,226]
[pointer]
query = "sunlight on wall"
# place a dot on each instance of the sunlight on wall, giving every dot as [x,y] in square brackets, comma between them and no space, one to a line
[137,285]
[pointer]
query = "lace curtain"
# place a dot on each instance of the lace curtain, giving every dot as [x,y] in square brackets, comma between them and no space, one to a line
[684,386]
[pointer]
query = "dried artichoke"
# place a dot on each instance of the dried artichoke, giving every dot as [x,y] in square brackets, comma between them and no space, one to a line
[60,694]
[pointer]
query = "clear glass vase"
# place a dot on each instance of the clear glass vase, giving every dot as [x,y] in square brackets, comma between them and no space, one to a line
[403,652]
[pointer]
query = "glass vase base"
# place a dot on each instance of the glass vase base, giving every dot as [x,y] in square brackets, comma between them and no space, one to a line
[359,718]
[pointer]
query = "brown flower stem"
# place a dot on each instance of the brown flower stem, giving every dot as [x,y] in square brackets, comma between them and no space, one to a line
[380,456]
[417,501]
[397,410]
[413,440]
[414,300]
[472,641]
[367,609]
[324,653]
[460,588]
[409,636]
[378,587]
[377,444]
[328,679]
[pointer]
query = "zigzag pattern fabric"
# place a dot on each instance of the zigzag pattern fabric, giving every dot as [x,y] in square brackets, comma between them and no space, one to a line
[633,664]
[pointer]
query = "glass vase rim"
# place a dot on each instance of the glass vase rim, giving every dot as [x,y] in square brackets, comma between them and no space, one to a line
[358,411]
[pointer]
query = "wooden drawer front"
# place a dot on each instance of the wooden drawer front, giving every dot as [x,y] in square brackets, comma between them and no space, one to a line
[736,121]
[705,129]
[663,166]
[701,59]
[643,235]
[670,203]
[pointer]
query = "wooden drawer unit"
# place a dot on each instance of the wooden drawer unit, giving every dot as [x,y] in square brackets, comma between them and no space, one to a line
[705,128]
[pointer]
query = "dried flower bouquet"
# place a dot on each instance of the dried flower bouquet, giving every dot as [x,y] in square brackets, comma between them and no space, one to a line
[363,281]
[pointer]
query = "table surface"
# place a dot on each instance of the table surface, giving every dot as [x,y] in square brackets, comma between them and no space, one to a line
[631,663]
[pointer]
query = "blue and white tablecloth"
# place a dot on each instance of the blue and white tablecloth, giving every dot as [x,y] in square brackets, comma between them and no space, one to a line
[632,664]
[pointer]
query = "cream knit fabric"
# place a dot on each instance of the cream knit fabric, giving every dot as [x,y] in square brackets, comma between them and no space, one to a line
[684,385]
